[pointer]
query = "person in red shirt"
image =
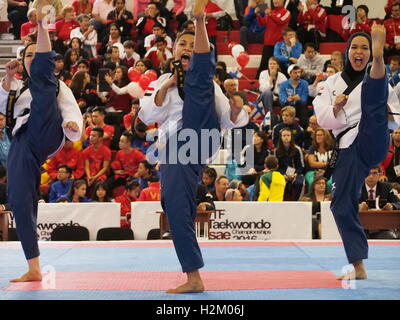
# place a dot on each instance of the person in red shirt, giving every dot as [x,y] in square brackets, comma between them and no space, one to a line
[30,27]
[312,23]
[98,115]
[66,25]
[82,6]
[388,8]
[275,22]
[392,26]
[128,118]
[158,54]
[152,192]
[213,12]
[131,194]
[97,157]
[69,156]
[363,24]
[126,162]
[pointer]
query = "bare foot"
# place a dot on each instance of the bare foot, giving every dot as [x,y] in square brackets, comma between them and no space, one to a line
[378,35]
[29,276]
[198,9]
[188,287]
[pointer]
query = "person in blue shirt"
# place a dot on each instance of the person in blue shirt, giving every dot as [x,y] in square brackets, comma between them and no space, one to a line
[294,92]
[251,31]
[77,192]
[393,70]
[289,50]
[63,183]
[5,141]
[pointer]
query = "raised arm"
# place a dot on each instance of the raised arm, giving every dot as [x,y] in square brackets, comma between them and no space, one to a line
[378,34]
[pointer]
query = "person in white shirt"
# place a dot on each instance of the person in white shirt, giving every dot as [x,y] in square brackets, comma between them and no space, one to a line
[354,104]
[158,31]
[101,9]
[270,80]
[41,119]
[198,105]
[86,33]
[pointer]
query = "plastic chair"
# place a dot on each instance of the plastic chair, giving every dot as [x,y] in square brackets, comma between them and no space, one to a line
[107,234]
[70,233]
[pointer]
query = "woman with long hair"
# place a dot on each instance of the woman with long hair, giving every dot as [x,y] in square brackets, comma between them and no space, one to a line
[291,164]
[101,192]
[261,151]
[77,193]
[112,37]
[76,44]
[71,59]
[318,155]
[119,102]
[80,88]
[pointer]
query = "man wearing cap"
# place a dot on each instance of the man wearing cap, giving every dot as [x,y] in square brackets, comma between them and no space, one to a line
[294,92]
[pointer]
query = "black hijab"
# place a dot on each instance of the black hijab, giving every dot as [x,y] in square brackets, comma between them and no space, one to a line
[349,71]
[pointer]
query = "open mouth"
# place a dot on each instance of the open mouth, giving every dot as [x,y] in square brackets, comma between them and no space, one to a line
[359,62]
[185,59]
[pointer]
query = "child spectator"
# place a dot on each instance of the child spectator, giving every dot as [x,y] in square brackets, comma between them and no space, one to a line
[87,34]
[288,114]
[76,44]
[126,162]
[71,58]
[114,59]
[291,164]
[233,195]
[60,72]
[77,192]
[101,193]
[312,23]
[311,63]
[272,183]
[98,116]
[62,185]
[97,157]
[152,192]
[159,53]
[122,18]
[67,156]
[289,50]
[294,92]
[132,190]
[208,178]
[130,55]
[158,31]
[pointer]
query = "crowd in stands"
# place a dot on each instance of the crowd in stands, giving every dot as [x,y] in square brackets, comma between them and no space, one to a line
[98,41]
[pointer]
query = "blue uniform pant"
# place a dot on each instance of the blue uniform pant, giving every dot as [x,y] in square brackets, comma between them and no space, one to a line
[30,147]
[179,181]
[354,163]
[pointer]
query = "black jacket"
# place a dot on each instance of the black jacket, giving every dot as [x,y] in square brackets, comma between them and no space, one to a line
[385,191]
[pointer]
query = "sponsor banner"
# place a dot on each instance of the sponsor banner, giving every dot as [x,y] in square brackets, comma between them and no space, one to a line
[93,216]
[239,221]
[329,230]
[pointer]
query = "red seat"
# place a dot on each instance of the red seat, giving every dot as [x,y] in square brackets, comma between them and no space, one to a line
[246,84]
[329,47]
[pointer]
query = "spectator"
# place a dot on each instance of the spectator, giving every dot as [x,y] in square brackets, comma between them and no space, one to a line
[289,50]
[140,137]
[294,92]
[363,24]
[132,190]
[392,46]
[67,156]
[251,31]
[312,23]
[77,192]
[87,34]
[393,70]
[152,192]
[159,53]
[5,141]
[111,39]
[319,80]
[336,60]
[158,31]
[318,193]
[126,162]
[261,151]
[212,13]
[291,164]
[391,164]
[76,44]
[308,134]
[85,95]
[66,25]
[208,178]
[101,193]
[204,199]
[221,186]
[27,40]
[388,8]
[145,24]
[122,18]
[272,183]
[233,195]
[131,57]
[98,116]
[100,11]
[270,82]
[128,118]
[29,27]
[144,173]
[114,59]
[311,63]
[188,26]
[71,58]
[60,72]
[318,156]
[288,114]
[231,86]
[17,14]
[143,65]
[275,21]
[372,189]
[62,185]
[82,7]
[97,157]
[115,101]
